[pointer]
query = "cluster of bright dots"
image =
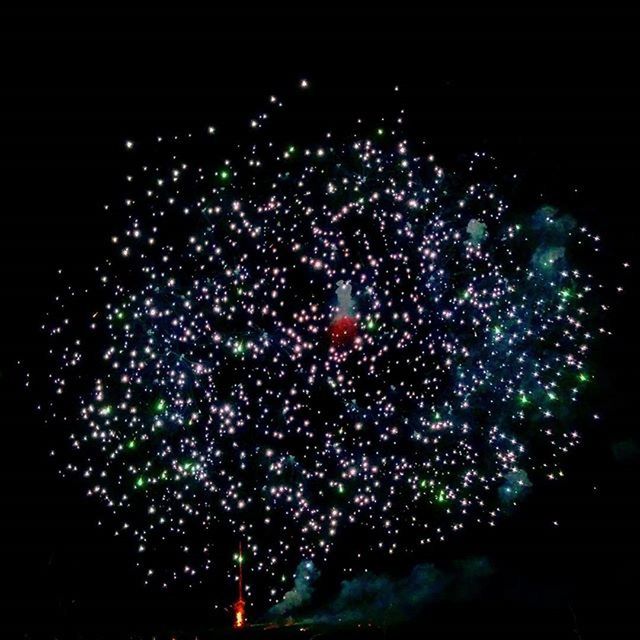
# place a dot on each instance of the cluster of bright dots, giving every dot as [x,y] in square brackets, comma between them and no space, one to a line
[210,403]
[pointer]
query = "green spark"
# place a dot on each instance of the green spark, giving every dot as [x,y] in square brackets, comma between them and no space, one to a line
[238,348]
[224,174]
[140,482]
[583,377]
[160,405]
[131,444]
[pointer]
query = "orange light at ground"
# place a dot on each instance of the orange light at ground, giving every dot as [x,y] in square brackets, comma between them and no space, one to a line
[238,610]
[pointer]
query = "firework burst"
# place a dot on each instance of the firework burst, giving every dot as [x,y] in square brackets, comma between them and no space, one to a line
[303,341]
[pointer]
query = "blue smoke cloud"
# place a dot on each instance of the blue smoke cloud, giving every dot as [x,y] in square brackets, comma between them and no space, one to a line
[381,598]
[516,483]
[300,594]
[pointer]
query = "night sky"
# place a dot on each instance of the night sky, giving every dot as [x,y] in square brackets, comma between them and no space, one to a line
[553,95]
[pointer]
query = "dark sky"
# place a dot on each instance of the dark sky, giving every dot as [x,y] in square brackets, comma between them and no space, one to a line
[553,93]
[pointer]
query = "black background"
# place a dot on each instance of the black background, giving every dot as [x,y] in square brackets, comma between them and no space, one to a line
[552,93]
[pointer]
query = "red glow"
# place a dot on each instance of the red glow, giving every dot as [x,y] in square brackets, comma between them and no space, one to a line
[238,614]
[343,331]
[238,608]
